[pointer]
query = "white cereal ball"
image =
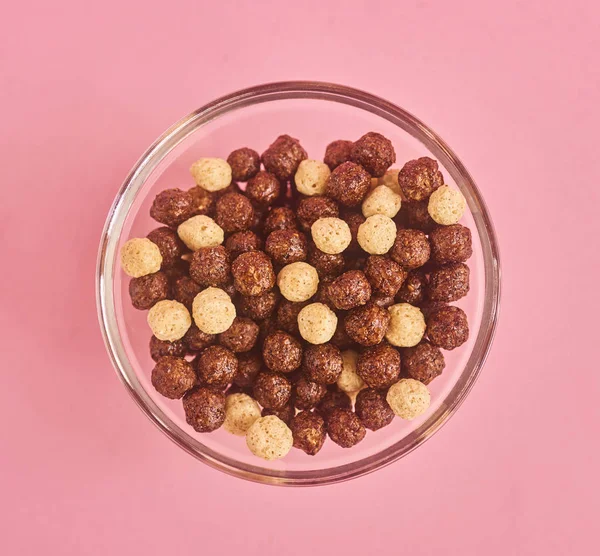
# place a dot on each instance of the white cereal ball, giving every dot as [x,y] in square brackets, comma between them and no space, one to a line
[298,281]
[317,323]
[331,235]
[169,320]
[211,174]
[349,381]
[269,438]
[213,311]
[446,205]
[200,231]
[408,398]
[407,325]
[311,177]
[390,179]
[377,234]
[382,200]
[139,257]
[240,412]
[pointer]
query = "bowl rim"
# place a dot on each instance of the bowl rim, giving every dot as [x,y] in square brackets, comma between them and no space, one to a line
[286,90]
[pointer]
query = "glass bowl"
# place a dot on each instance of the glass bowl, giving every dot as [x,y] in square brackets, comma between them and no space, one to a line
[316,113]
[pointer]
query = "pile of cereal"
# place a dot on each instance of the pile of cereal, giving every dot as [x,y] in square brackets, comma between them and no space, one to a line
[311,302]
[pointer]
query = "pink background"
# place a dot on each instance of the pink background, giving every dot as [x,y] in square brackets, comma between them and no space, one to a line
[85,87]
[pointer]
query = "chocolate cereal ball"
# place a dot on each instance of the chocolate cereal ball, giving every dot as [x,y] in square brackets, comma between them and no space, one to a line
[322,363]
[272,390]
[258,307]
[283,157]
[381,300]
[240,336]
[216,366]
[354,221]
[451,244]
[340,338]
[372,409]
[423,362]
[448,283]
[286,246]
[367,325]
[311,209]
[374,153]
[308,431]
[416,216]
[264,189]
[349,290]
[148,290]
[210,266]
[161,348]
[337,153]
[282,352]
[447,327]
[345,428]
[285,413]
[411,249]
[308,393]
[204,409]
[234,212]
[385,276]
[419,178]
[348,184]
[184,291]
[333,399]
[203,202]
[280,218]
[253,273]
[245,163]
[173,377]
[413,288]
[324,263]
[287,315]
[249,365]
[196,340]
[242,242]
[379,366]
[170,246]
[172,207]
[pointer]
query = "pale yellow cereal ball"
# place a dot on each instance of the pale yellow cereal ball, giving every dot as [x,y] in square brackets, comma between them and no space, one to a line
[169,320]
[298,281]
[331,235]
[446,205]
[212,174]
[377,234]
[407,325]
[390,179]
[213,311]
[240,412]
[200,231]
[317,323]
[139,257]
[311,177]
[269,438]
[382,200]
[349,381]
[408,398]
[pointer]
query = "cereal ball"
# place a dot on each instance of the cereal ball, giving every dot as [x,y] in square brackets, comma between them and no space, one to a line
[286,246]
[322,363]
[240,412]
[451,244]
[169,320]
[287,315]
[345,428]
[267,326]
[311,209]
[203,202]
[447,283]
[234,212]
[411,249]
[258,307]
[385,276]
[379,366]
[140,257]
[408,398]
[317,323]
[272,390]
[382,200]
[383,301]
[407,325]
[249,365]
[337,153]
[322,295]
[333,398]
[172,207]
[210,266]
[423,362]
[349,380]
[308,431]
[367,325]
[244,164]
[161,348]
[446,205]
[311,177]
[200,231]
[340,338]
[374,153]
[213,311]
[447,327]
[216,366]
[376,234]
[280,218]
[413,288]
[348,184]
[427,307]
[173,377]
[204,409]
[184,291]
[242,242]
[282,353]
[308,393]
[417,217]
[349,290]
[372,409]
[354,221]
[269,438]
[298,281]
[240,336]
[196,340]
[390,179]
[285,413]
[253,273]
[147,290]
[283,157]
[331,235]
[212,174]
[264,189]
[419,178]
[325,264]
[170,246]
